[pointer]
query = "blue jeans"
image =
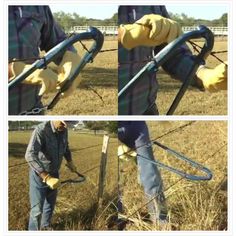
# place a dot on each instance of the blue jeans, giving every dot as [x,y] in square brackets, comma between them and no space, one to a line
[135,135]
[42,201]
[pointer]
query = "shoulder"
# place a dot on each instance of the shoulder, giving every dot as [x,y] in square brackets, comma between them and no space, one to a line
[43,127]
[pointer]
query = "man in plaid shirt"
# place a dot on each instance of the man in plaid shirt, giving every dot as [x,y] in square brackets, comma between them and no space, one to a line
[32,29]
[142,29]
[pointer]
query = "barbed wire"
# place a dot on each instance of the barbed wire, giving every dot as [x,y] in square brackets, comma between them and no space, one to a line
[77,150]
[169,187]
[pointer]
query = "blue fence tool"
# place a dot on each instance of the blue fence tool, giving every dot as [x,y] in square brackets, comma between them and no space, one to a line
[207,173]
[167,52]
[93,33]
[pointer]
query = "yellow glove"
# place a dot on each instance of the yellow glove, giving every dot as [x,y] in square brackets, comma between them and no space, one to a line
[134,35]
[163,30]
[67,66]
[150,30]
[125,153]
[71,166]
[46,77]
[52,182]
[214,79]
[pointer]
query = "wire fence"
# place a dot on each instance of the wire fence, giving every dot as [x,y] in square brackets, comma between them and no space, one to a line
[128,217]
[113,30]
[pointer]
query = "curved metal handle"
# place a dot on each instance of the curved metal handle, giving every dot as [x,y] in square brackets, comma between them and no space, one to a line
[167,52]
[93,33]
[208,174]
[81,179]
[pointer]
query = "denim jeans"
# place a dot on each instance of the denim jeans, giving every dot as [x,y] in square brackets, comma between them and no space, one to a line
[135,135]
[42,201]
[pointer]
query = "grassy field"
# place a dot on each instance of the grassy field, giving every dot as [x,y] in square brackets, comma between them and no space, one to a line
[194,102]
[192,205]
[102,76]
[76,207]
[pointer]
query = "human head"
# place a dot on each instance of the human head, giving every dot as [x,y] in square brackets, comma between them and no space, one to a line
[59,125]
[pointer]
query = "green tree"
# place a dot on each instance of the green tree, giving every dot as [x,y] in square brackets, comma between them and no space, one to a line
[112,127]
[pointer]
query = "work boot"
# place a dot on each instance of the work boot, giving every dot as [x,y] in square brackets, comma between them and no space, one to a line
[158,210]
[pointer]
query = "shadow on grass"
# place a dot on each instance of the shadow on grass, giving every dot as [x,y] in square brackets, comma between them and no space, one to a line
[101,77]
[17,150]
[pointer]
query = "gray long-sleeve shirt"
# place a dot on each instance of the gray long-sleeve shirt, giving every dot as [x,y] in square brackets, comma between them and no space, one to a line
[46,148]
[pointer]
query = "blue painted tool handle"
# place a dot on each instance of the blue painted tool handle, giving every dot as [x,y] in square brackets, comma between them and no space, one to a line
[167,52]
[58,50]
[207,173]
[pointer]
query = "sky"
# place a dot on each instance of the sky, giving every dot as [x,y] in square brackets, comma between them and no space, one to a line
[103,11]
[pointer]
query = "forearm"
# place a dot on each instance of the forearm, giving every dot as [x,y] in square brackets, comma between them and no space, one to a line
[33,161]
[33,150]
[68,155]
[180,64]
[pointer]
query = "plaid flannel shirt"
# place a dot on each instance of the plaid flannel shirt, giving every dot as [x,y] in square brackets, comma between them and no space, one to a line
[30,28]
[46,148]
[143,94]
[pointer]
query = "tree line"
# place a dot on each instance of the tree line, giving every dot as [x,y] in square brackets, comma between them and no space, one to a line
[185,20]
[109,126]
[68,20]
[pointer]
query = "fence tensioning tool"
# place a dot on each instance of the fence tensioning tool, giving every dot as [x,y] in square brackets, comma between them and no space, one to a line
[51,55]
[167,52]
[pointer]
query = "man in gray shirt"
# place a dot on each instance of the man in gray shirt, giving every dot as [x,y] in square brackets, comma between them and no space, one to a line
[44,154]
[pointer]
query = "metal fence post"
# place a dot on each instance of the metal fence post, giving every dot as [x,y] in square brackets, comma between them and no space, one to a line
[102,173]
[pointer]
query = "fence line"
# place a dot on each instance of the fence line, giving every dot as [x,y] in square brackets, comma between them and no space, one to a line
[113,30]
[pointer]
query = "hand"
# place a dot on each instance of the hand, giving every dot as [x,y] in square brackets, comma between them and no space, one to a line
[162,30]
[134,35]
[150,30]
[213,79]
[45,77]
[52,182]
[125,153]
[66,68]
[71,166]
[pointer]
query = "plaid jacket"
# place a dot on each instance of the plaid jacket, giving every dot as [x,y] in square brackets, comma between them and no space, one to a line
[46,148]
[30,28]
[143,94]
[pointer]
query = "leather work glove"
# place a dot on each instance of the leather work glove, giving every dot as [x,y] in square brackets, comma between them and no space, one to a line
[134,35]
[71,166]
[52,182]
[157,30]
[215,79]
[125,153]
[67,67]
[46,77]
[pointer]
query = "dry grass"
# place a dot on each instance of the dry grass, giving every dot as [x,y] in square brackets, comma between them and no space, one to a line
[76,207]
[194,101]
[192,205]
[102,76]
